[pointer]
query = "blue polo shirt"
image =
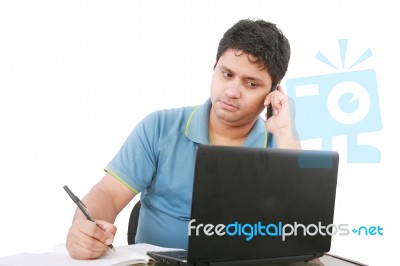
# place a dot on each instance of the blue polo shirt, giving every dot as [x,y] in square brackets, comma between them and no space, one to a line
[158,158]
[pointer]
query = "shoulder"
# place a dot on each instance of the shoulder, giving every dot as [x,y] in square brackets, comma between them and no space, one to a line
[170,117]
[166,122]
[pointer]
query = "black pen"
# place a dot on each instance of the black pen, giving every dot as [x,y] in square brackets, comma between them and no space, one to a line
[83,208]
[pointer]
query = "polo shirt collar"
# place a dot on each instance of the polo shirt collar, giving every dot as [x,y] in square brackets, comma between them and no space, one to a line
[197,128]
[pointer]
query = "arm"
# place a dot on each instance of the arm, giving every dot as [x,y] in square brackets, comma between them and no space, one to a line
[280,124]
[85,240]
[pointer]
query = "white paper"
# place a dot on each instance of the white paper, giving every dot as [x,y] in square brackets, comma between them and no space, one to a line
[122,256]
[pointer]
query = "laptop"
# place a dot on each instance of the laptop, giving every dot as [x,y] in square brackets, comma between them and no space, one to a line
[254,206]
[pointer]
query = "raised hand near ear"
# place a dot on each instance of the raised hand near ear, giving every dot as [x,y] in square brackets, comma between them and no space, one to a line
[279,123]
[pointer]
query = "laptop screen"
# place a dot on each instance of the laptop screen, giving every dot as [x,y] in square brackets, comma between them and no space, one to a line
[255,203]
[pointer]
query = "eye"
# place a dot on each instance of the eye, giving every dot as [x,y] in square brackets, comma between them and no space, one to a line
[227,74]
[252,84]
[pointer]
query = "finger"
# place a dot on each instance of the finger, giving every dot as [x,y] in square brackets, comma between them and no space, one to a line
[87,249]
[268,98]
[268,103]
[109,229]
[279,99]
[280,89]
[80,245]
[106,226]
[272,94]
[276,101]
[93,230]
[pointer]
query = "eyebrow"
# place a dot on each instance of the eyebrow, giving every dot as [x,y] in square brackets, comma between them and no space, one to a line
[224,68]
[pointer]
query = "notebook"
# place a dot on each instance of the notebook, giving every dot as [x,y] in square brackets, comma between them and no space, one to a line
[123,255]
[253,206]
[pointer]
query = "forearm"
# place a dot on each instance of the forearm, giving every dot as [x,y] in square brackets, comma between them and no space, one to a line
[99,205]
[106,199]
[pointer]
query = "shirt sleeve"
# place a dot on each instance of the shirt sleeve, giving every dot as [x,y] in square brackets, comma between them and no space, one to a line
[136,161]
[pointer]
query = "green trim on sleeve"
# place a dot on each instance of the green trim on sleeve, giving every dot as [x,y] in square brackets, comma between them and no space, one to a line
[266,139]
[121,180]
[190,120]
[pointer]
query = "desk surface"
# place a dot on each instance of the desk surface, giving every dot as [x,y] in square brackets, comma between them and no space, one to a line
[330,259]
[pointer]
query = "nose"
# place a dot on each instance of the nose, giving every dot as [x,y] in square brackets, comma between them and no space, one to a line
[233,90]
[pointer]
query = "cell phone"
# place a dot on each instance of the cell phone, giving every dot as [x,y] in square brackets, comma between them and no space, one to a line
[269,107]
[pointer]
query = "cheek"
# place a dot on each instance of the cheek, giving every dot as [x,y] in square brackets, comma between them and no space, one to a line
[258,107]
[258,98]
[256,102]
[217,86]
[214,84]
[212,90]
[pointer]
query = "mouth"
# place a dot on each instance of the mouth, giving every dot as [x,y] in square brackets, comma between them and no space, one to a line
[228,105]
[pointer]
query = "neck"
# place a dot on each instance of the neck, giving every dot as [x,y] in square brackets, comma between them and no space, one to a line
[225,134]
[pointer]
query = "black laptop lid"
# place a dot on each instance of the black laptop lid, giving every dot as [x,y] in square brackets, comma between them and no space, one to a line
[244,197]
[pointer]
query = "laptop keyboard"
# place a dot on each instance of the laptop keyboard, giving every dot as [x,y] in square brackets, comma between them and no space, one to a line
[179,254]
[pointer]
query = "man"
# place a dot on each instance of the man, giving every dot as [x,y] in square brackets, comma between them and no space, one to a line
[158,157]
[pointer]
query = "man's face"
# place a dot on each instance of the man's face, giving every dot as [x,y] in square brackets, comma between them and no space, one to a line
[238,89]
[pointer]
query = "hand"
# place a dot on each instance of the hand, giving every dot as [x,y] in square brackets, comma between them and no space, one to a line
[280,119]
[279,124]
[89,240]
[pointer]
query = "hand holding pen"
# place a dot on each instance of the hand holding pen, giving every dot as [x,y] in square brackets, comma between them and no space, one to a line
[84,210]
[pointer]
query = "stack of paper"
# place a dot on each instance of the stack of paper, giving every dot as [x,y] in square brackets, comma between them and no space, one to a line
[130,254]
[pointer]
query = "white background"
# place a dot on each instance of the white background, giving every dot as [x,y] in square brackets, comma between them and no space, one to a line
[77,76]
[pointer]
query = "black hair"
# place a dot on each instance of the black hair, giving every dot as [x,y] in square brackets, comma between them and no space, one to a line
[264,43]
